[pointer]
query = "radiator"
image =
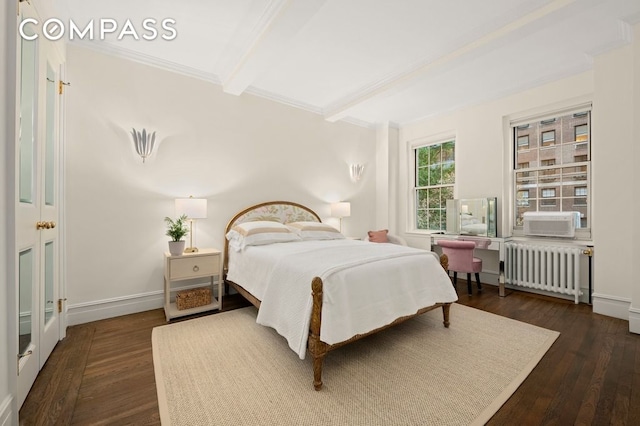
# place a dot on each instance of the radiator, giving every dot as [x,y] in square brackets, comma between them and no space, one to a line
[550,268]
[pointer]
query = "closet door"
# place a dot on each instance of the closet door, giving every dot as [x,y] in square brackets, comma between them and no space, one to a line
[37,206]
[27,216]
[50,303]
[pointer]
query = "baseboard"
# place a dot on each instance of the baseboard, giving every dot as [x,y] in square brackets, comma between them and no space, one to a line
[611,306]
[7,417]
[634,320]
[81,313]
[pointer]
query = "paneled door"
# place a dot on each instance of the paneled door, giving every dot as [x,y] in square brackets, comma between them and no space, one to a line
[37,205]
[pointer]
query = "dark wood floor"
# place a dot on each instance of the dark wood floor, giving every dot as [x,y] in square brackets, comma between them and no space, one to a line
[102,372]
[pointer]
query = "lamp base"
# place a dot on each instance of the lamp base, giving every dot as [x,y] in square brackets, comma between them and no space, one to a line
[191,250]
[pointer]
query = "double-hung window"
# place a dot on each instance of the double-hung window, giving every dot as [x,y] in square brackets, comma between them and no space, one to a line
[552,173]
[434,177]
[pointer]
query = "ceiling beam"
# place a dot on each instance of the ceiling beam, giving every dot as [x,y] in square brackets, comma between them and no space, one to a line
[398,81]
[268,41]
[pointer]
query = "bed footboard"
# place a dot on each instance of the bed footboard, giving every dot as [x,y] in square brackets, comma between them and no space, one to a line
[318,349]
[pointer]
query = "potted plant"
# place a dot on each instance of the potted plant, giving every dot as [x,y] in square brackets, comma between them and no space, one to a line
[176,229]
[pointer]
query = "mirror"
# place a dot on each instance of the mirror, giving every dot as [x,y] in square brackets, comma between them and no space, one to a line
[477,216]
[27,121]
[49,259]
[25,281]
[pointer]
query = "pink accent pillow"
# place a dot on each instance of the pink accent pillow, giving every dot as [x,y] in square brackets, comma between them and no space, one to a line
[379,236]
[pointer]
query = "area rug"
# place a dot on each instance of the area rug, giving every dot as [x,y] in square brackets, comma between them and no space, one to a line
[225,369]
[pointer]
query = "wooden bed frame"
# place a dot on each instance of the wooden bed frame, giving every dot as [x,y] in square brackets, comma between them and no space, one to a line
[316,347]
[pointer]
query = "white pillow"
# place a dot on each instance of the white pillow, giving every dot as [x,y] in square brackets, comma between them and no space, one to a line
[259,232]
[315,231]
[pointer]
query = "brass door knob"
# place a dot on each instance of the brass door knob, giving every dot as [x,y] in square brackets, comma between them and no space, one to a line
[45,225]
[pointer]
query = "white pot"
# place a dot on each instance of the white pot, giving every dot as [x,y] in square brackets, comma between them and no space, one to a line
[176,248]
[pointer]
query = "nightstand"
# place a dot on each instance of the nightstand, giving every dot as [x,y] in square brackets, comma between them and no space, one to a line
[205,263]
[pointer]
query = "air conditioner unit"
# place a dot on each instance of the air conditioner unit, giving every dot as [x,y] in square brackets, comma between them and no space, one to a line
[551,224]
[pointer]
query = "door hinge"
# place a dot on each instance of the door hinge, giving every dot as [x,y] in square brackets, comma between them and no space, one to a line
[61,85]
[20,1]
[60,304]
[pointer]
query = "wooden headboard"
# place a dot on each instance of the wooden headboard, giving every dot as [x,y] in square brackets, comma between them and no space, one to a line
[278,211]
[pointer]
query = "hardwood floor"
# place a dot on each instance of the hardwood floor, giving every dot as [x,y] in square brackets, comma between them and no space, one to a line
[102,372]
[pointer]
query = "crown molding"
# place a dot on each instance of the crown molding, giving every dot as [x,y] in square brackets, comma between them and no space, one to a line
[142,58]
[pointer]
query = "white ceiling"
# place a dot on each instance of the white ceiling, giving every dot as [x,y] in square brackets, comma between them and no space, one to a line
[369,61]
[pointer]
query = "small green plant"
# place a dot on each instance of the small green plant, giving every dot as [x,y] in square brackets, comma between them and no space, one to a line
[176,229]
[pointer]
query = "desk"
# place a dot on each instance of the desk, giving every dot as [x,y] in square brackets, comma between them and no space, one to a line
[497,244]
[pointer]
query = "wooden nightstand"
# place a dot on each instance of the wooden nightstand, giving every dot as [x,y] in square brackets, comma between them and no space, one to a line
[205,263]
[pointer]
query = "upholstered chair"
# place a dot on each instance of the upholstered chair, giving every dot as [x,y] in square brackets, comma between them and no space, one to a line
[460,256]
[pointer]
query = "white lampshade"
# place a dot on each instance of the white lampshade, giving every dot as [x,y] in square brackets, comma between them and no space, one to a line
[341,209]
[194,208]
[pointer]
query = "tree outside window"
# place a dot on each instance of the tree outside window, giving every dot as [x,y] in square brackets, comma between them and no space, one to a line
[434,181]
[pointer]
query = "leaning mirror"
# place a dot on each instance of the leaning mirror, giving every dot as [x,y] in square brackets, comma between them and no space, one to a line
[476,216]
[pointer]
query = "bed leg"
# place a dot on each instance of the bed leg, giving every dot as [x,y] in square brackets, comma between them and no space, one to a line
[317,347]
[445,313]
[444,262]
[317,371]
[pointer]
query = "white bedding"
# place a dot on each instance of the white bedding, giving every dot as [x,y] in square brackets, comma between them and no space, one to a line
[366,285]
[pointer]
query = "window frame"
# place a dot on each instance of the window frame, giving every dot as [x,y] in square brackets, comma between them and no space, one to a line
[570,172]
[415,186]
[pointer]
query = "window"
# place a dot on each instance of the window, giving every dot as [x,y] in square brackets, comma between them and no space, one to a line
[523,142]
[580,193]
[434,179]
[556,175]
[581,132]
[549,138]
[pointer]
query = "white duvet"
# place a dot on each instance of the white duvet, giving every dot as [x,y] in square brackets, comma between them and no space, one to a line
[365,285]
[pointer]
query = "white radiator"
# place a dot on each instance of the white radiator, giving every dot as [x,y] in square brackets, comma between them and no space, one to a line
[550,268]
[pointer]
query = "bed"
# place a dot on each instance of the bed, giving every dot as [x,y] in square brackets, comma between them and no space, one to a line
[321,290]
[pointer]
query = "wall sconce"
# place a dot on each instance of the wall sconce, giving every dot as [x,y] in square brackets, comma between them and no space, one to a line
[194,208]
[340,210]
[144,142]
[355,171]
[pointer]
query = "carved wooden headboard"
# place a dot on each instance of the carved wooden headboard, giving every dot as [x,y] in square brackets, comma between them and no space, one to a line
[278,211]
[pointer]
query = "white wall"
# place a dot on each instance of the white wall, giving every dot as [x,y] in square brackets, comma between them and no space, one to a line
[8,317]
[480,143]
[614,163]
[482,162]
[234,151]
[634,311]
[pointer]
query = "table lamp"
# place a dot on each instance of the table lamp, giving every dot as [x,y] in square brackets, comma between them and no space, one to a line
[340,210]
[193,208]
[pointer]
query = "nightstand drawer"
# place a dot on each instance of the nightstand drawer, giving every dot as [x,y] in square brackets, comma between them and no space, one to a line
[193,267]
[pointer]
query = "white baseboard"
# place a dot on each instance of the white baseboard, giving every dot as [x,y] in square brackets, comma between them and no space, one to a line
[81,313]
[634,320]
[611,306]
[7,417]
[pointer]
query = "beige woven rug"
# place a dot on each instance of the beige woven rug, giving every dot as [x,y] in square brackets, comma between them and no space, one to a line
[225,369]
